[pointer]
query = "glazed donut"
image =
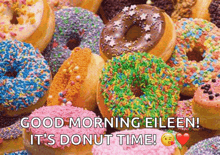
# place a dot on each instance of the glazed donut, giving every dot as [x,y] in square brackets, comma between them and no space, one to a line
[184,110]
[11,135]
[25,78]
[74,27]
[91,5]
[206,104]
[27,21]
[156,35]
[196,54]
[64,112]
[137,85]
[208,146]
[76,81]
[110,8]
[116,149]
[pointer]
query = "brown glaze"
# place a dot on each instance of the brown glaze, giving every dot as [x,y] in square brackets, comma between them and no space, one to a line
[113,41]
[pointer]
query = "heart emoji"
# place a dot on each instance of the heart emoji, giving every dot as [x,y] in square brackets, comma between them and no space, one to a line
[182,139]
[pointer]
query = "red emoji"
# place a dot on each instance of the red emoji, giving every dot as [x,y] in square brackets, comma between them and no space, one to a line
[182,139]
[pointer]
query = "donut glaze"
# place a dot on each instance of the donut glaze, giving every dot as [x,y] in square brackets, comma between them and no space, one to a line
[149,19]
[206,104]
[209,95]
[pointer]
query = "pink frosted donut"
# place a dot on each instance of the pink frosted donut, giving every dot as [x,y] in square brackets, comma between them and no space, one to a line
[137,149]
[206,104]
[65,112]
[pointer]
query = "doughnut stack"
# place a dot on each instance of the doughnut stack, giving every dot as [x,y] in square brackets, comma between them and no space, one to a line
[134,59]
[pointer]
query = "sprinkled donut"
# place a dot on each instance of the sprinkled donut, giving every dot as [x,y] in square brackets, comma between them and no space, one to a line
[27,21]
[74,27]
[76,81]
[25,78]
[65,112]
[184,110]
[23,152]
[116,149]
[205,104]
[138,85]
[138,28]
[196,54]
[10,134]
[209,146]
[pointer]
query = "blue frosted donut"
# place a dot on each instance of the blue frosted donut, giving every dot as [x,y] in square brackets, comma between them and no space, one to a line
[74,27]
[30,80]
[23,152]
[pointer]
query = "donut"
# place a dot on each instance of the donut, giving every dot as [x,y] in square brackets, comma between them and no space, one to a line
[64,112]
[110,8]
[214,12]
[184,110]
[74,27]
[10,134]
[206,104]
[124,149]
[208,146]
[91,5]
[24,78]
[138,28]
[27,21]
[187,9]
[76,81]
[23,152]
[137,85]
[196,54]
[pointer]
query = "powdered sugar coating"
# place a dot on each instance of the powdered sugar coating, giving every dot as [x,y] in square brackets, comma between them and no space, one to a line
[116,149]
[65,112]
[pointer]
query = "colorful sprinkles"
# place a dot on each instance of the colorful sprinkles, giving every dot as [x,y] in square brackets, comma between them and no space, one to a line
[184,110]
[77,24]
[32,79]
[201,34]
[66,83]
[23,152]
[209,146]
[154,78]
[11,132]
[26,16]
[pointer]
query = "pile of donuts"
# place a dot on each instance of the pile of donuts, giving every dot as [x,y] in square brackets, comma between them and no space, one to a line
[107,59]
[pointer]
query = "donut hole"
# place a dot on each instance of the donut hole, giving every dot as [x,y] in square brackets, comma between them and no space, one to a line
[196,54]
[14,18]
[133,33]
[73,41]
[137,90]
[11,74]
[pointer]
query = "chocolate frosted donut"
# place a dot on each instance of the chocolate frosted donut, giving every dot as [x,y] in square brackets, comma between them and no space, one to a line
[111,8]
[138,28]
[214,10]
